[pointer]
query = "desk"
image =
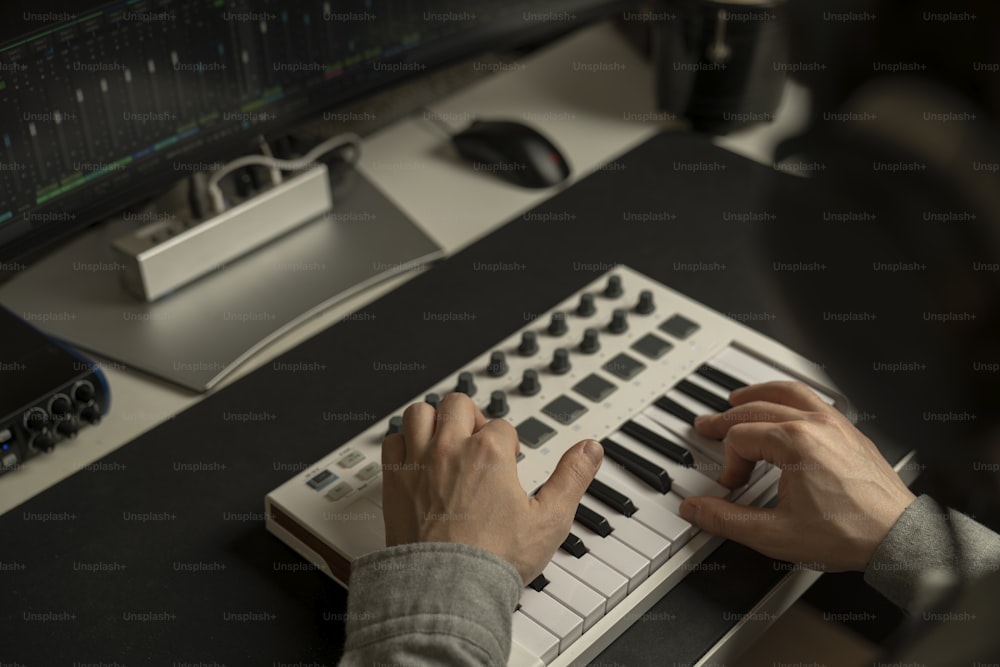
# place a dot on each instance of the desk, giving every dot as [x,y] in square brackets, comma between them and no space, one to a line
[156,553]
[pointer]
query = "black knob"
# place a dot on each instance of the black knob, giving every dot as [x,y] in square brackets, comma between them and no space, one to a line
[83,392]
[433,400]
[91,415]
[498,404]
[498,364]
[591,342]
[529,383]
[60,406]
[560,361]
[466,385]
[43,442]
[645,305]
[35,420]
[619,321]
[66,429]
[557,325]
[529,344]
[613,289]
[586,306]
[395,425]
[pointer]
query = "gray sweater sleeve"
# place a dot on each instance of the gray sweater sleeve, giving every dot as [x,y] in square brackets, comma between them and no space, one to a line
[430,604]
[930,546]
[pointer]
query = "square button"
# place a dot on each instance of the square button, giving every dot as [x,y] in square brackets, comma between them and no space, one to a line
[351,460]
[652,346]
[369,471]
[534,433]
[594,387]
[322,479]
[564,410]
[679,326]
[624,366]
[338,491]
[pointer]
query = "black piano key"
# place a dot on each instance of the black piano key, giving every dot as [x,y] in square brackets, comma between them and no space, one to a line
[539,583]
[720,378]
[574,546]
[669,449]
[646,470]
[593,520]
[675,408]
[703,396]
[613,499]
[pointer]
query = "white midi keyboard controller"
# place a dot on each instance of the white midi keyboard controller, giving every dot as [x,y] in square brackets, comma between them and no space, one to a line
[626,361]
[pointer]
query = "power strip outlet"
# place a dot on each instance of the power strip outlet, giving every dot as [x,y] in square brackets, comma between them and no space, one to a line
[166,255]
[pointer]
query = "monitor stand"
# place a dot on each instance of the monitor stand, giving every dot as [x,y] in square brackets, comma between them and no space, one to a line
[201,333]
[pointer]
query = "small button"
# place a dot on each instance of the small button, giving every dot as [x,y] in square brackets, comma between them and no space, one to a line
[338,491]
[586,306]
[352,459]
[652,347]
[564,410]
[613,289]
[9,460]
[557,325]
[534,433]
[591,341]
[369,471]
[594,387]
[83,392]
[560,361]
[322,479]
[520,456]
[679,326]
[624,366]
[529,344]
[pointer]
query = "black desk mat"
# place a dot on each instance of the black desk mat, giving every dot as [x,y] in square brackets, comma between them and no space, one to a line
[157,554]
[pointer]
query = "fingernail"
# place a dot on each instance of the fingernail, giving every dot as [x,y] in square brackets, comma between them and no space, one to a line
[594,452]
[689,511]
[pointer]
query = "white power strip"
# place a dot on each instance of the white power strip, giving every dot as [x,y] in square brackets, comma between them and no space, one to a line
[162,257]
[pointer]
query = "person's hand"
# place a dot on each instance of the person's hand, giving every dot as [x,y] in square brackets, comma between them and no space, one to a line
[837,498]
[451,476]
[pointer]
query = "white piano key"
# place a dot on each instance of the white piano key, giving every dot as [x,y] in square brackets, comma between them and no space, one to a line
[687,481]
[613,553]
[533,639]
[521,657]
[638,537]
[653,510]
[752,370]
[708,385]
[612,585]
[551,615]
[582,600]
[683,399]
[713,449]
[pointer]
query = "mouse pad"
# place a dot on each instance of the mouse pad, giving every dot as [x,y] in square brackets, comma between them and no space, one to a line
[157,554]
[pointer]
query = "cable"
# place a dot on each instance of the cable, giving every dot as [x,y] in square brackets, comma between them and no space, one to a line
[340,141]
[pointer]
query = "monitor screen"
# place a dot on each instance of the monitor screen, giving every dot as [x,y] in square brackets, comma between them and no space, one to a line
[103,104]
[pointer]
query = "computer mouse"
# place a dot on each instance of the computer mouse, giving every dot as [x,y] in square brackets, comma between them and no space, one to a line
[513,151]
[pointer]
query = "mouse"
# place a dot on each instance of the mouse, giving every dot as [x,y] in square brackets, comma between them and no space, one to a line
[512,151]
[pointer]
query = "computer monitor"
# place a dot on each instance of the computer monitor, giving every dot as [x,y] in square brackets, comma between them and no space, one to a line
[104,104]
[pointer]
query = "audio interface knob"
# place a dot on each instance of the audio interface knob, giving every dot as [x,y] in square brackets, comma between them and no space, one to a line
[43,443]
[529,344]
[557,325]
[91,415]
[61,406]
[66,429]
[498,404]
[591,342]
[498,364]
[619,321]
[645,305]
[560,361]
[433,399]
[613,289]
[586,306]
[35,420]
[83,392]
[395,425]
[466,385]
[529,383]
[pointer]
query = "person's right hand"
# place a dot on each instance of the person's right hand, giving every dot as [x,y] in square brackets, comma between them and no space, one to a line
[837,498]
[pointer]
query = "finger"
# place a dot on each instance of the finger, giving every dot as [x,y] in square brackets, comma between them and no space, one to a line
[393,452]
[562,491]
[418,427]
[752,526]
[792,394]
[717,426]
[456,418]
[759,442]
[503,434]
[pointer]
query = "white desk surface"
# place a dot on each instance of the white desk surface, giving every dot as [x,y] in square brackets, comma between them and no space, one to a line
[593,116]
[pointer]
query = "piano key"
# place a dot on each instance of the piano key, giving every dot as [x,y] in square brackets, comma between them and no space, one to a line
[533,639]
[648,472]
[593,520]
[610,497]
[719,377]
[539,583]
[367,533]
[687,481]
[638,537]
[713,449]
[657,442]
[703,396]
[708,385]
[676,409]
[579,598]
[596,574]
[573,546]
[547,612]
[654,511]
[753,370]
[616,555]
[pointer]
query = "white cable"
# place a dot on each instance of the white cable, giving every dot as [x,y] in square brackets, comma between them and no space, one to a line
[333,143]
